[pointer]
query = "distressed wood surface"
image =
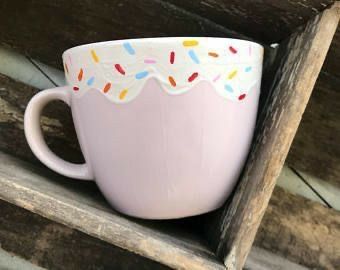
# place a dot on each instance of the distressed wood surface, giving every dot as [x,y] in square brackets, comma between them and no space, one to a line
[292,86]
[301,230]
[47,28]
[80,206]
[57,247]
[56,123]
[316,146]
[270,20]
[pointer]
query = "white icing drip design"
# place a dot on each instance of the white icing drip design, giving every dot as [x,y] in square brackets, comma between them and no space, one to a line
[119,69]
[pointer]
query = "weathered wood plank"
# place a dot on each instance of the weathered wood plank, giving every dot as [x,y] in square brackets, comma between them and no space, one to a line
[54,246]
[79,205]
[316,146]
[292,86]
[301,230]
[56,123]
[267,20]
[47,28]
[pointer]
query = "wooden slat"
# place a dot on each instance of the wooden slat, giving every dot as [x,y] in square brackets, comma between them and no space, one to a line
[56,123]
[267,20]
[80,206]
[305,53]
[44,29]
[301,230]
[316,146]
[52,245]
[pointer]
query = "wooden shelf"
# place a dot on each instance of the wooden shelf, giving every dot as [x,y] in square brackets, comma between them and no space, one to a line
[79,205]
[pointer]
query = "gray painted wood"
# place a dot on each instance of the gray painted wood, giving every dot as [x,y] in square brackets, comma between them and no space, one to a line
[84,209]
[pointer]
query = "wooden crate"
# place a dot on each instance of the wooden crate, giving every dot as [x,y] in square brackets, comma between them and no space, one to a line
[218,240]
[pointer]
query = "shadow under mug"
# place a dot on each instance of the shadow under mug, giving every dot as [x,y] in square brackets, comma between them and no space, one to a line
[164,124]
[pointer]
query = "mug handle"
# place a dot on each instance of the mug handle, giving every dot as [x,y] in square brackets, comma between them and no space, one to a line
[36,140]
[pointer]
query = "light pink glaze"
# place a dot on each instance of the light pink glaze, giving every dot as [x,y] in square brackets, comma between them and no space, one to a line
[165,156]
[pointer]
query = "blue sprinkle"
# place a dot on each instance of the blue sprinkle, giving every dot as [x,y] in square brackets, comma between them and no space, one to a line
[90,81]
[193,56]
[141,75]
[129,48]
[228,88]
[247,69]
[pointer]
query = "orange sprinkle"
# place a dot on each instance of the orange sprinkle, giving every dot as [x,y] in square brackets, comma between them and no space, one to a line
[66,68]
[94,56]
[107,87]
[80,74]
[123,94]
[190,43]
[232,74]
[213,54]
[172,81]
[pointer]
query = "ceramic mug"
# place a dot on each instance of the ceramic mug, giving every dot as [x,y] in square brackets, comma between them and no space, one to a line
[164,124]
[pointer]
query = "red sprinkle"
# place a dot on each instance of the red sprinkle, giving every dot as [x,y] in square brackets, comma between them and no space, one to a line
[80,74]
[75,88]
[120,69]
[241,96]
[172,57]
[107,87]
[232,49]
[193,76]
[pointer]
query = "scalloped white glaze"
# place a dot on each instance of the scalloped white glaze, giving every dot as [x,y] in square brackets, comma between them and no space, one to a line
[119,69]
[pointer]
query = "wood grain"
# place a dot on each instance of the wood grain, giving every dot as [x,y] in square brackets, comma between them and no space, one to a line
[56,123]
[44,29]
[80,206]
[292,86]
[301,230]
[316,146]
[57,247]
[266,20]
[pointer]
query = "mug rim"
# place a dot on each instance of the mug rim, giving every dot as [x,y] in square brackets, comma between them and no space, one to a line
[153,40]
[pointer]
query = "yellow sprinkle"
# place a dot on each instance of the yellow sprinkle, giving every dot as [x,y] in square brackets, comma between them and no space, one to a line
[232,74]
[123,94]
[94,56]
[189,43]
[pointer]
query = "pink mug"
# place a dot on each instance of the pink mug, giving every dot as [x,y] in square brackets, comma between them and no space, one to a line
[165,124]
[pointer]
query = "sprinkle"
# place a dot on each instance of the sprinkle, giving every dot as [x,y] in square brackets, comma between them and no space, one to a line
[150,61]
[241,96]
[69,58]
[172,81]
[249,50]
[107,87]
[247,69]
[232,49]
[141,75]
[232,74]
[75,88]
[172,57]
[190,43]
[129,48]
[90,81]
[94,56]
[213,54]
[217,78]
[193,56]
[123,94]
[193,77]
[80,74]
[66,68]
[120,69]
[228,88]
